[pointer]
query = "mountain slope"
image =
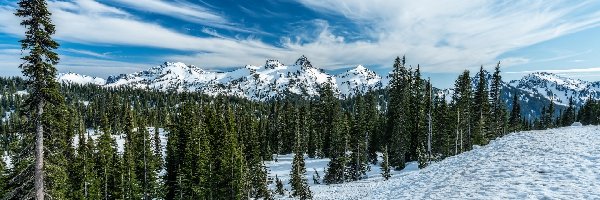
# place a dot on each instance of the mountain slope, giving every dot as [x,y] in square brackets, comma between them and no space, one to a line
[549,164]
[557,88]
[271,80]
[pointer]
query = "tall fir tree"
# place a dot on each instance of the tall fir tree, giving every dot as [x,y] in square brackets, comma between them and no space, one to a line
[462,107]
[481,110]
[43,107]
[106,152]
[298,180]
[385,167]
[515,114]
[498,108]
[396,116]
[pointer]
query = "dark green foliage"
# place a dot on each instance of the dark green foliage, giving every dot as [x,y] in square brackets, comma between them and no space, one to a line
[396,114]
[43,110]
[279,186]
[515,119]
[298,180]
[482,128]
[216,145]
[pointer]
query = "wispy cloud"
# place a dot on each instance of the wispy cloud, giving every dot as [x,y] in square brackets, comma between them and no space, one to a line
[443,36]
[557,71]
[450,35]
[87,53]
[185,11]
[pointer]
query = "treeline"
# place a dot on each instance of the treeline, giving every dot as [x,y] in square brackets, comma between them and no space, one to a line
[217,146]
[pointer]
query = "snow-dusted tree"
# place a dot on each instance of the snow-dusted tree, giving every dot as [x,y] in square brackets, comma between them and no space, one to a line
[385,166]
[298,180]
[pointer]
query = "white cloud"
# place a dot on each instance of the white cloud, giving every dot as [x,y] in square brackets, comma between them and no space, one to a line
[449,35]
[443,36]
[560,71]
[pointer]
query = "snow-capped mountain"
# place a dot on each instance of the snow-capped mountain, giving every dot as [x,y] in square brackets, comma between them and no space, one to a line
[253,82]
[73,78]
[557,88]
[358,79]
[275,79]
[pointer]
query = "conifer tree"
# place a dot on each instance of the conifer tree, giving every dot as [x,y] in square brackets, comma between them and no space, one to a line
[568,116]
[279,186]
[481,110]
[336,168]
[462,102]
[131,186]
[358,165]
[298,180]
[396,116]
[515,114]
[105,161]
[498,109]
[385,167]
[43,98]
[230,167]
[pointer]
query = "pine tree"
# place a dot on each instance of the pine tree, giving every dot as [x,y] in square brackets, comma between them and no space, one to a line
[385,167]
[568,116]
[481,110]
[498,110]
[515,114]
[336,168]
[462,106]
[44,97]
[230,173]
[131,186]
[279,186]
[146,168]
[298,180]
[358,164]
[396,116]
[105,161]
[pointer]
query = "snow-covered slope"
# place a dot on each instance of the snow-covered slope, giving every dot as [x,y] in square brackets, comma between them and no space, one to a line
[358,79]
[271,80]
[557,88]
[549,164]
[73,78]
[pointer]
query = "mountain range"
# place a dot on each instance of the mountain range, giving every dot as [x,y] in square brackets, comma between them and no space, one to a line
[275,79]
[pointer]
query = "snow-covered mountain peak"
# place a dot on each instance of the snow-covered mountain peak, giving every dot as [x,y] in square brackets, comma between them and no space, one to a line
[303,61]
[73,78]
[557,88]
[358,78]
[272,64]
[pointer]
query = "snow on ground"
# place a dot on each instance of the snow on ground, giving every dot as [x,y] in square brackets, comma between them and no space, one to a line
[281,169]
[120,139]
[561,163]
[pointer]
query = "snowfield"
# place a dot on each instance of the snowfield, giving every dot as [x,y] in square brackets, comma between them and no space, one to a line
[561,163]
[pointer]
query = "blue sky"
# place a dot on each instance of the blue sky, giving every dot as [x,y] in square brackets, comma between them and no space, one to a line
[102,38]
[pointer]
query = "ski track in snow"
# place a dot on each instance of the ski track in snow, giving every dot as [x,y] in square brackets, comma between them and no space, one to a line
[562,163]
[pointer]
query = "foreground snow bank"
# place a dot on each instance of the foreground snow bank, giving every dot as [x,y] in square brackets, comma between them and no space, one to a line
[561,163]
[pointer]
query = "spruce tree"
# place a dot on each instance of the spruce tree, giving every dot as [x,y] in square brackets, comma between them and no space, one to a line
[105,161]
[515,114]
[385,167]
[396,116]
[498,110]
[358,165]
[481,110]
[298,180]
[44,96]
[462,107]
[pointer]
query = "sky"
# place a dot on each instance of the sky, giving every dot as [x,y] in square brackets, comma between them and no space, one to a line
[110,37]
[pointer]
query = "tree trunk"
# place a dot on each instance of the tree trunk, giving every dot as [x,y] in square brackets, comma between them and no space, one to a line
[39,152]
